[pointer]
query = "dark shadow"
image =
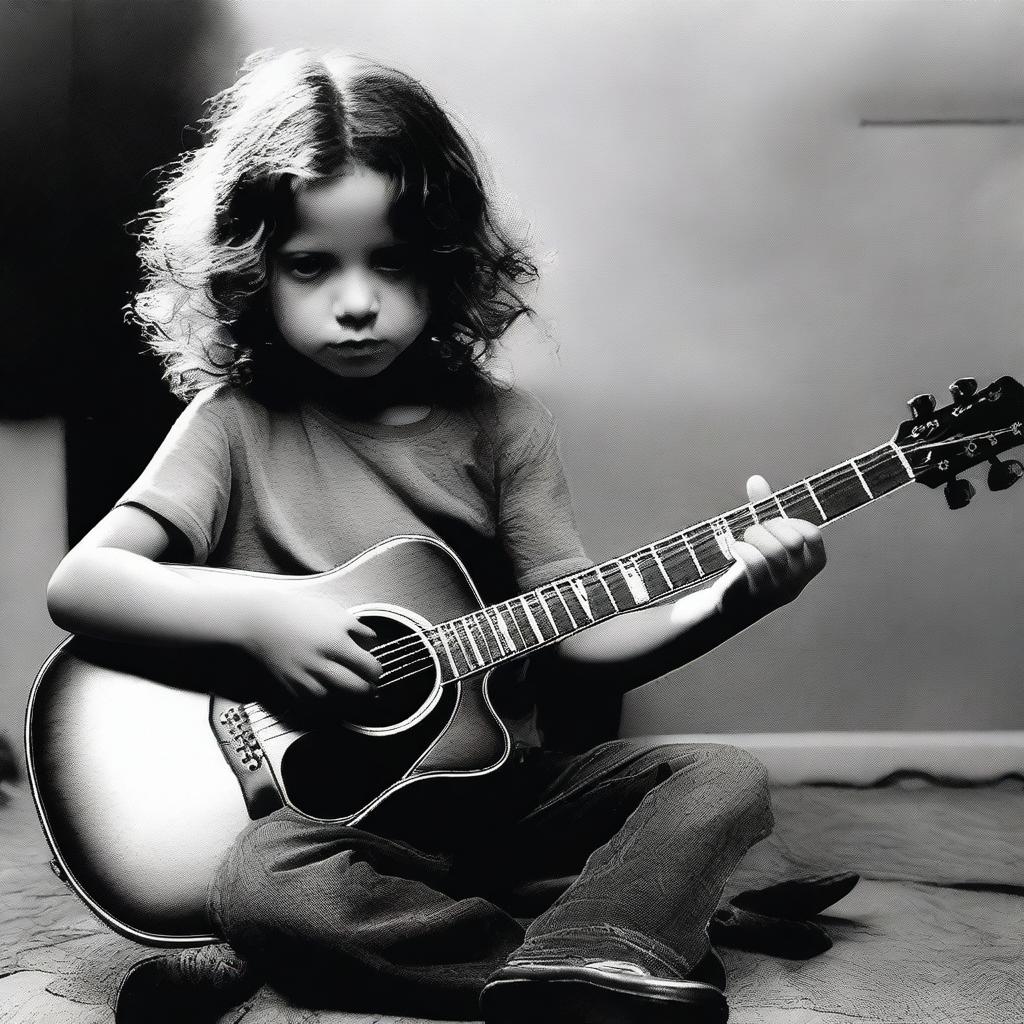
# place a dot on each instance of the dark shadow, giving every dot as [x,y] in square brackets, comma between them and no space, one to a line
[96,95]
[136,82]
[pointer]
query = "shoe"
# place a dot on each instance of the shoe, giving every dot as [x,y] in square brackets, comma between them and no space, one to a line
[774,920]
[797,898]
[599,992]
[775,936]
[194,985]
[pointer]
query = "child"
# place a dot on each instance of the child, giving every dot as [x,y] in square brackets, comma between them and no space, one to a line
[324,283]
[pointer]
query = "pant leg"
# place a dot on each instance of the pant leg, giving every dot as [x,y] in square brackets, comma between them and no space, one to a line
[655,833]
[335,916]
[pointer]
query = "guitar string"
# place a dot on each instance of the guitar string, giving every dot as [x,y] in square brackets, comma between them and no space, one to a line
[670,546]
[416,644]
[824,490]
[423,652]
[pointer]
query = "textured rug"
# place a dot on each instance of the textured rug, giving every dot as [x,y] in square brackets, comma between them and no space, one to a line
[931,935]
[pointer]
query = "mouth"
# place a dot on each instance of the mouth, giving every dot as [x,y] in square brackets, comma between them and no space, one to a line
[357,346]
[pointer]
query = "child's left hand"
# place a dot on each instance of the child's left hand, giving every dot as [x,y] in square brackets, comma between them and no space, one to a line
[774,562]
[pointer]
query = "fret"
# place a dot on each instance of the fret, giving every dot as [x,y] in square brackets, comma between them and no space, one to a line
[899,454]
[860,477]
[798,504]
[741,519]
[705,542]
[532,621]
[535,603]
[661,567]
[723,536]
[635,581]
[439,632]
[547,610]
[814,497]
[646,564]
[769,509]
[580,591]
[675,546]
[572,618]
[602,604]
[475,630]
[504,629]
[472,643]
[497,636]
[557,611]
[607,589]
[650,573]
[461,647]
[679,560]
[882,470]
[838,491]
[513,611]
[693,555]
[618,584]
[485,637]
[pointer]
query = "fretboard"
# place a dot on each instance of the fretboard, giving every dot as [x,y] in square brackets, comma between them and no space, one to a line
[515,628]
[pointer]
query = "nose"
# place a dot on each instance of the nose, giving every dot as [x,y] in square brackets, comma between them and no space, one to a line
[356,299]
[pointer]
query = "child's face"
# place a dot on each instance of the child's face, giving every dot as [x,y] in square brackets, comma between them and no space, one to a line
[342,286]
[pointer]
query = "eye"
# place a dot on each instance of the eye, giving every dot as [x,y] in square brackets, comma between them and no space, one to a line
[395,259]
[303,266]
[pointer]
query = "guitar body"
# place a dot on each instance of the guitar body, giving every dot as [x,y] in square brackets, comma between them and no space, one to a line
[144,769]
[146,763]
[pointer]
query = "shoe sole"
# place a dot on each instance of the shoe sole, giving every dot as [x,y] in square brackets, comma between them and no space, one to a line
[593,1001]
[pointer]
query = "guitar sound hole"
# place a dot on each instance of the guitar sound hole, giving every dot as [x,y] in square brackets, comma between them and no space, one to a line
[409,676]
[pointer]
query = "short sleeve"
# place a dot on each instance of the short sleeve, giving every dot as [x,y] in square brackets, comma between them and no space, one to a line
[188,480]
[535,515]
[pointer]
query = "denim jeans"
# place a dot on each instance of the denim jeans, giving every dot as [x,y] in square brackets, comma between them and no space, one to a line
[619,853]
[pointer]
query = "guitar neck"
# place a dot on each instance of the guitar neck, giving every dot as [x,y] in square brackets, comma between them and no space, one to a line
[517,627]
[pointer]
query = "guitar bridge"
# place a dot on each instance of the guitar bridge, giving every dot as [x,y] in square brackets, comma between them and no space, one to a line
[235,720]
[245,757]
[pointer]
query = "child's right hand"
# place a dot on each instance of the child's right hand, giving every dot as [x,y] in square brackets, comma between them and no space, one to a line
[307,643]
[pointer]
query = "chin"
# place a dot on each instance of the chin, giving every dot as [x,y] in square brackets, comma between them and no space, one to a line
[358,370]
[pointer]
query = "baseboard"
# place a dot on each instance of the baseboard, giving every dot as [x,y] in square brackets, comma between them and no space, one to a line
[865,757]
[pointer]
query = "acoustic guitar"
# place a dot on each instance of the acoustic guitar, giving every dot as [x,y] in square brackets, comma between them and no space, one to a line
[144,766]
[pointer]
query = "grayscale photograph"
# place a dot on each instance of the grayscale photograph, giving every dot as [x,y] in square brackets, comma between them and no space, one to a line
[422,425]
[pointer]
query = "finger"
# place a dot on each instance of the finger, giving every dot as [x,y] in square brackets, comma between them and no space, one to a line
[758,489]
[813,539]
[360,628]
[754,564]
[338,679]
[308,687]
[791,538]
[353,657]
[773,550]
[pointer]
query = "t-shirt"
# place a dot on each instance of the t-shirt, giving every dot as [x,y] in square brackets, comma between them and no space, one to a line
[301,489]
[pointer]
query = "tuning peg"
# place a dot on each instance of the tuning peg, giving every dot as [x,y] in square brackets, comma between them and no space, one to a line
[958,493]
[922,405]
[1004,474]
[963,388]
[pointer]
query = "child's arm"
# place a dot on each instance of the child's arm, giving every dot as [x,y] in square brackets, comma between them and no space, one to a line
[111,586]
[774,563]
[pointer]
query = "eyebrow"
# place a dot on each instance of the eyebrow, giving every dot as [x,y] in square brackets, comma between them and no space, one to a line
[291,247]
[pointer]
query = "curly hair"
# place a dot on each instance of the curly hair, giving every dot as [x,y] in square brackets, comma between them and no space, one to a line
[290,119]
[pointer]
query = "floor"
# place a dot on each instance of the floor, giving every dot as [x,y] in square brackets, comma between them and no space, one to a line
[911,945]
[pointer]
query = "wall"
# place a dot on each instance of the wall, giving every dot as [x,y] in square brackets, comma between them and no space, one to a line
[740,279]
[31,544]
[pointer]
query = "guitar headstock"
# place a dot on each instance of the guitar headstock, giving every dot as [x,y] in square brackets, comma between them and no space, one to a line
[976,427]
